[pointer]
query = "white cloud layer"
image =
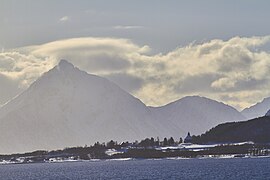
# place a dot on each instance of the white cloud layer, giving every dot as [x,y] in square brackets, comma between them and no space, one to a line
[235,71]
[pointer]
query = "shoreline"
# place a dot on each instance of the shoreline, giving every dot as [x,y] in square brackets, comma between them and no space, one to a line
[120,153]
[235,156]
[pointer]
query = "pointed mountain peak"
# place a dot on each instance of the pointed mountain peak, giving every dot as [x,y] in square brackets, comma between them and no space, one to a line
[65,65]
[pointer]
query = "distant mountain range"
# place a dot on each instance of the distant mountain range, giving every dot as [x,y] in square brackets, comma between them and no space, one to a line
[195,114]
[255,130]
[68,107]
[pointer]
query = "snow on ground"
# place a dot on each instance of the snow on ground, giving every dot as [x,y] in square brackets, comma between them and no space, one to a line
[199,147]
[111,152]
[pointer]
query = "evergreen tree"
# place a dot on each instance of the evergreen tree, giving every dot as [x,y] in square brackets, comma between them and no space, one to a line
[171,141]
[111,144]
[145,143]
[157,143]
[180,141]
[152,141]
[165,142]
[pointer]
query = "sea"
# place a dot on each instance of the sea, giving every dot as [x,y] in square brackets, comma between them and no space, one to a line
[211,168]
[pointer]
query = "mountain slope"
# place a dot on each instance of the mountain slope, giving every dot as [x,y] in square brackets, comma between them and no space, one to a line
[256,130]
[268,113]
[257,110]
[196,114]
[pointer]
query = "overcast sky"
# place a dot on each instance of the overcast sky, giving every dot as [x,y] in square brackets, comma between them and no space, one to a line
[159,51]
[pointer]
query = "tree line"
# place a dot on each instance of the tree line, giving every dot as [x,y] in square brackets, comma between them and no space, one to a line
[147,142]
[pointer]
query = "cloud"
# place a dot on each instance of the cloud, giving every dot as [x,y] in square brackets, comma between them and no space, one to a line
[127,27]
[64,19]
[23,67]
[235,71]
[17,71]
[9,89]
[128,82]
[96,55]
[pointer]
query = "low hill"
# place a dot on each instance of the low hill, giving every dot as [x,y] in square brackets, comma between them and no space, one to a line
[256,130]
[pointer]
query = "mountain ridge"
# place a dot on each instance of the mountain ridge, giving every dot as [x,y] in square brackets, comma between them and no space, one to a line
[200,112]
[257,110]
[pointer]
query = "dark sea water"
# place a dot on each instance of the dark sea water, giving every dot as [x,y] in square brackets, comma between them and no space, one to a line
[245,168]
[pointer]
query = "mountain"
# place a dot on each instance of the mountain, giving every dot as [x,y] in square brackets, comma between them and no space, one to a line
[256,130]
[195,114]
[68,107]
[258,109]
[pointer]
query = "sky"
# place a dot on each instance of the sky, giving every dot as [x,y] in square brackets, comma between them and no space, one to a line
[157,50]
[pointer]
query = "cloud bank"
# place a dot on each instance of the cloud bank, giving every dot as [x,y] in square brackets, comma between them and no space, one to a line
[235,71]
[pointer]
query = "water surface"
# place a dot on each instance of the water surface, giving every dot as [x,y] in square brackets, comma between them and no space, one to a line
[237,168]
